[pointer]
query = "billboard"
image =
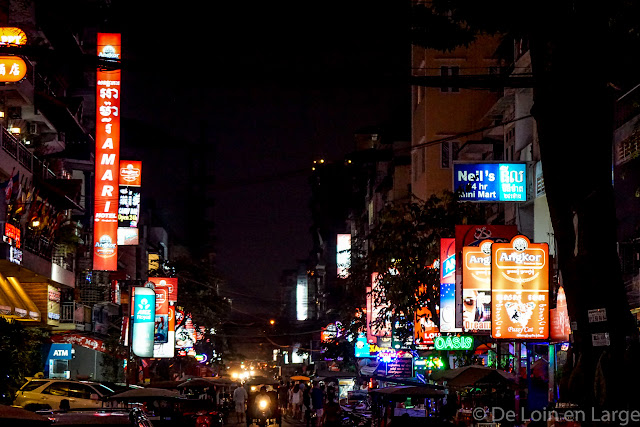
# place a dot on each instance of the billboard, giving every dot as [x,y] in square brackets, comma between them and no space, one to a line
[167,349]
[144,308]
[128,206]
[473,235]
[161,329]
[448,285]
[560,324]
[343,255]
[107,156]
[376,309]
[171,283]
[12,69]
[490,182]
[520,289]
[130,173]
[476,287]
[128,236]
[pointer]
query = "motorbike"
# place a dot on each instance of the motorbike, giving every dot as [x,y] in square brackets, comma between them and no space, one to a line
[262,409]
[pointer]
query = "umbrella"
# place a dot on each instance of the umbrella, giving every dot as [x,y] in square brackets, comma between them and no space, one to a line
[299,378]
[144,393]
[197,382]
[21,417]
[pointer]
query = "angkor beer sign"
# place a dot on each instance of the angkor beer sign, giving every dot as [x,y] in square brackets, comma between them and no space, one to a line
[520,289]
[105,228]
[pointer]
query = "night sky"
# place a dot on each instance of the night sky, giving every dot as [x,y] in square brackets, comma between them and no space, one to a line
[268,87]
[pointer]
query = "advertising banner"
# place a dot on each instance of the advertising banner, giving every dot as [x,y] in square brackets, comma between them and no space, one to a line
[107,157]
[171,283]
[144,308]
[520,290]
[161,330]
[476,287]
[130,173]
[424,328]
[168,349]
[560,323]
[448,285]
[490,182]
[128,206]
[185,330]
[473,235]
[343,255]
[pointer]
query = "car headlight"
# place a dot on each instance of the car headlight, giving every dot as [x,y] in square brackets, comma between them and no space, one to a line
[263,404]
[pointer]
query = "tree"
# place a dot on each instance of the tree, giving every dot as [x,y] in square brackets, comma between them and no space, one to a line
[573,108]
[402,248]
[20,356]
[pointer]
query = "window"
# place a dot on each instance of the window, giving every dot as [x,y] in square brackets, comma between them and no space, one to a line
[446,71]
[32,385]
[445,155]
[57,389]
[81,391]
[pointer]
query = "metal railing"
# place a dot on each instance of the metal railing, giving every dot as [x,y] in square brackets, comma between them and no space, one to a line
[18,151]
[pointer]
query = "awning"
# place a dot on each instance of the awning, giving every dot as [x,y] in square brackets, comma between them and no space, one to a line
[14,301]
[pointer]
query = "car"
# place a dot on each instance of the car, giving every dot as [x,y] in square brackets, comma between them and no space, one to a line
[103,417]
[41,393]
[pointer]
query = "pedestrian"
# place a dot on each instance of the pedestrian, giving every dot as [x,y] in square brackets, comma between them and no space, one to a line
[283,397]
[296,400]
[306,405]
[317,401]
[332,411]
[240,398]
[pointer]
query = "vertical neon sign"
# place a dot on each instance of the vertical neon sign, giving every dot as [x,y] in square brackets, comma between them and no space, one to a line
[107,159]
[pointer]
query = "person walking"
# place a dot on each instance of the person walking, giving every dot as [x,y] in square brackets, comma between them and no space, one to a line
[332,411]
[240,399]
[317,401]
[306,405]
[296,401]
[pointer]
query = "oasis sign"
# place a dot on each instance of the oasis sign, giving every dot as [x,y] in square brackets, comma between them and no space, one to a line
[453,343]
[490,182]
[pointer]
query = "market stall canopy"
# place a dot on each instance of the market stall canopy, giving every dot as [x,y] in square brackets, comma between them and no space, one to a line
[196,383]
[402,391]
[472,376]
[144,393]
[300,378]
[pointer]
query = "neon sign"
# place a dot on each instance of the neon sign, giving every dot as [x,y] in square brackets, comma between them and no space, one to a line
[386,355]
[454,343]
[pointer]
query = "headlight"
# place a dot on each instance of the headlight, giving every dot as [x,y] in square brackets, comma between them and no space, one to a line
[263,404]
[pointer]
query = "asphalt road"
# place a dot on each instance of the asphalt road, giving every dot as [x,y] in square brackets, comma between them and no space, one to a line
[286,422]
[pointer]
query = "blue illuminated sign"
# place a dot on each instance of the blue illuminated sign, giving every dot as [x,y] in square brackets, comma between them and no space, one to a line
[60,352]
[362,346]
[490,182]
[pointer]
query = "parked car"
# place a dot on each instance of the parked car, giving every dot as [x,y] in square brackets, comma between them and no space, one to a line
[103,417]
[40,393]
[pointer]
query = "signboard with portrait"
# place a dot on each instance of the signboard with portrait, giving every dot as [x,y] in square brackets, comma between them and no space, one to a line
[520,290]
[448,285]
[476,287]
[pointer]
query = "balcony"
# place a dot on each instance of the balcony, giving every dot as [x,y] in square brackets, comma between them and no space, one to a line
[25,158]
[75,316]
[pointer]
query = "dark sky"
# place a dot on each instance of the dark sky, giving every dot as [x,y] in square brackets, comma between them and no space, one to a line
[274,85]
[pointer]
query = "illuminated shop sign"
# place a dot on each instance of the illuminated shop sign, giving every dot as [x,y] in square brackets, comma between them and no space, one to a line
[128,206]
[170,283]
[12,69]
[343,255]
[453,343]
[490,182]
[131,173]
[520,289]
[12,36]
[144,308]
[447,286]
[12,235]
[107,157]
[476,287]
[60,352]
[128,236]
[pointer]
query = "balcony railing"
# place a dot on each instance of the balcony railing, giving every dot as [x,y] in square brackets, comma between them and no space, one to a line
[18,151]
[74,312]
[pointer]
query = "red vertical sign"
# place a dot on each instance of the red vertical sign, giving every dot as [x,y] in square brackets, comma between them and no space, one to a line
[105,228]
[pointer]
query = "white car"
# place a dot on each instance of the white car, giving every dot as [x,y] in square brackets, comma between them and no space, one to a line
[40,393]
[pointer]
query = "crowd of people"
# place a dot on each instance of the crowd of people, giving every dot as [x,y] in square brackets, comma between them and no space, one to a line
[316,405]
